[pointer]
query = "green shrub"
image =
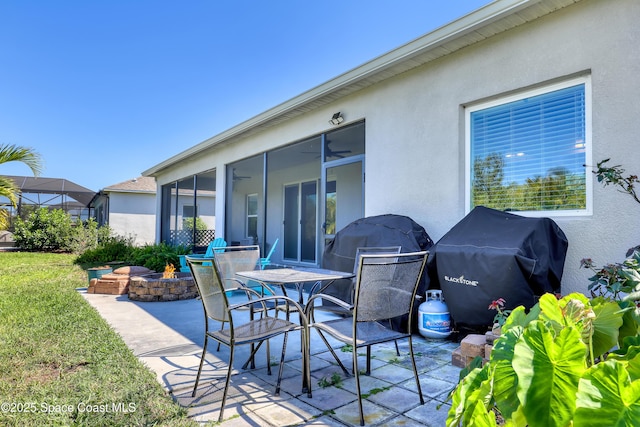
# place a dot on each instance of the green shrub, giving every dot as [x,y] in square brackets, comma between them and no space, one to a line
[44,229]
[156,257]
[88,235]
[616,280]
[54,230]
[113,248]
[187,224]
[121,249]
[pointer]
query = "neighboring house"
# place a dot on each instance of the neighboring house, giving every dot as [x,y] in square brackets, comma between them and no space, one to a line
[502,108]
[129,208]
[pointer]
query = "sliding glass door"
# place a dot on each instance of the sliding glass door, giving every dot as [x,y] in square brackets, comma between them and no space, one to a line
[300,221]
[342,179]
[343,196]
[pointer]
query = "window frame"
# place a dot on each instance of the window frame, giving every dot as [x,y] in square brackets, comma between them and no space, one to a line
[251,198]
[541,90]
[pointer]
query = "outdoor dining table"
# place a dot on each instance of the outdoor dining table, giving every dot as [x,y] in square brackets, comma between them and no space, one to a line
[296,276]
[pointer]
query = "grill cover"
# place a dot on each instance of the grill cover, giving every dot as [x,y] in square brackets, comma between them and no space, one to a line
[492,254]
[381,230]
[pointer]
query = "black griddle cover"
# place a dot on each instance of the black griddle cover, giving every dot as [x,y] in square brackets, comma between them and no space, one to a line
[492,254]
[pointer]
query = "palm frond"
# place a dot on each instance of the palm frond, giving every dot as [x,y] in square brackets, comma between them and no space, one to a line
[4,219]
[9,190]
[26,155]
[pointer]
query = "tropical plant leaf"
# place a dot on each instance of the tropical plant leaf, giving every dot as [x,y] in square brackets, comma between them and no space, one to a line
[630,326]
[633,366]
[606,326]
[576,311]
[518,317]
[631,276]
[477,362]
[548,370]
[476,386]
[607,396]
[632,296]
[4,219]
[480,417]
[629,345]
[505,380]
[550,310]
[629,353]
[26,155]
[9,190]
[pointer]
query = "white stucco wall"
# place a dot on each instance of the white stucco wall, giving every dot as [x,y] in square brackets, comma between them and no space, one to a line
[133,215]
[415,144]
[425,116]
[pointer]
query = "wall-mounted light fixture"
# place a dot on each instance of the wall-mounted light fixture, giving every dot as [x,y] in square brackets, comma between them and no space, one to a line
[336,119]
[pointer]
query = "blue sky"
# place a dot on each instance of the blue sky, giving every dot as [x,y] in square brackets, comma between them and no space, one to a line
[105,89]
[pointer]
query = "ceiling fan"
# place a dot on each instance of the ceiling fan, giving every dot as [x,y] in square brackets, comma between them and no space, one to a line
[335,153]
[330,153]
[237,177]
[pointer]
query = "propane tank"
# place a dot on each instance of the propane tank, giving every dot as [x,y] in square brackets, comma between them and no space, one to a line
[433,316]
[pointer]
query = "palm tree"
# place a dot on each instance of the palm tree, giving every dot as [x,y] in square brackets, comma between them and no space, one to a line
[8,189]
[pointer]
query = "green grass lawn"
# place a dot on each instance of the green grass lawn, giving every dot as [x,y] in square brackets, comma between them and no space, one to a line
[60,362]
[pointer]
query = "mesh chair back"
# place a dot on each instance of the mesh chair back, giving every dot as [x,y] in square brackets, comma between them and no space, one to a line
[237,258]
[370,250]
[386,285]
[209,283]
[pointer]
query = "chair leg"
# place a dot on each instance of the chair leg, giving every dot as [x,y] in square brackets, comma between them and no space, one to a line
[306,363]
[369,356]
[415,370]
[251,358]
[356,373]
[395,341]
[221,328]
[226,384]
[335,356]
[268,359]
[204,351]
[280,371]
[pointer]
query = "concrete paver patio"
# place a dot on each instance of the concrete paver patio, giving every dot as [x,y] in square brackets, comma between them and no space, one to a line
[168,338]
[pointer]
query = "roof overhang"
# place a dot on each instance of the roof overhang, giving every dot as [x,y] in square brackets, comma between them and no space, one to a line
[492,19]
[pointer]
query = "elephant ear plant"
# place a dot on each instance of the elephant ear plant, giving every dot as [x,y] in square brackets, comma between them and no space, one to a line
[556,366]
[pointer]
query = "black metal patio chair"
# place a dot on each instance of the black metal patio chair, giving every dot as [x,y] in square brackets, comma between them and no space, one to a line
[386,287]
[235,329]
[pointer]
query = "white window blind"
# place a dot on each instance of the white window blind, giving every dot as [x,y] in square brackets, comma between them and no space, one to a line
[529,154]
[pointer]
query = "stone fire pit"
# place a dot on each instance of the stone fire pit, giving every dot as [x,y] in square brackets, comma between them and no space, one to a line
[154,287]
[117,281]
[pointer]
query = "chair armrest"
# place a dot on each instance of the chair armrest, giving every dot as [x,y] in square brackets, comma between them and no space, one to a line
[317,287]
[263,300]
[311,303]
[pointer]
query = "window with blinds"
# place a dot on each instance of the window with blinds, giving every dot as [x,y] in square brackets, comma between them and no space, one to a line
[528,153]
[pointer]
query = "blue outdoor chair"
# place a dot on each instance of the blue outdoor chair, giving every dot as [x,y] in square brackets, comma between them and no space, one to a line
[213,247]
[267,260]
